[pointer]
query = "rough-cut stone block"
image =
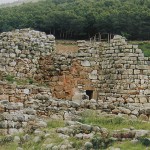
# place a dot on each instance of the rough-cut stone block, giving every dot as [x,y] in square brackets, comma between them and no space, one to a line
[143,99]
[143,67]
[135,46]
[136,71]
[124,110]
[85,63]
[128,46]
[143,117]
[147,92]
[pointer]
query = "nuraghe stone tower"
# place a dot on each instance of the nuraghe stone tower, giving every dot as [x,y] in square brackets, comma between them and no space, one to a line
[113,77]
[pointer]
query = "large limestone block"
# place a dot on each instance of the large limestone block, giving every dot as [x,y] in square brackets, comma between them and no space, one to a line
[147,92]
[136,71]
[125,110]
[85,63]
[143,99]
[77,97]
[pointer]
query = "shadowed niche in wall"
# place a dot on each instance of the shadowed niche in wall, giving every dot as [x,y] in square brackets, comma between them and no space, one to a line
[89,93]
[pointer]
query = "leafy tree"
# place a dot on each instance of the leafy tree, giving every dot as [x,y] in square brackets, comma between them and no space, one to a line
[81,18]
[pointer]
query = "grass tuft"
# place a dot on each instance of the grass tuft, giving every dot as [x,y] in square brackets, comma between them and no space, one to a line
[55,124]
[128,145]
[145,47]
[112,123]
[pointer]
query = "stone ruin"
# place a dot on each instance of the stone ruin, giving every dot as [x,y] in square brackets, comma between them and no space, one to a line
[112,77]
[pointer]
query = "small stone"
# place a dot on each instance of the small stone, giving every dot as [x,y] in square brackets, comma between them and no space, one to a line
[51,37]
[26,137]
[135,112]
[12,55]
[147,111]
[85,63]
[143,100]
[38,132]
[124,110]
[47,135]
[37,139]
[115,111]
[113,148]
[86,127]
[16,139]
[49,146]
[13,131]
[26,91]
[141,133]
[88,136]
[79,136]
[19,148]
[63,136]
[93,76]
[133,117]
[74,104]
[42,124]
[143,117]
[55,148]
[12,64]
[88,145]
[134,141]
[104,132]
[63,147]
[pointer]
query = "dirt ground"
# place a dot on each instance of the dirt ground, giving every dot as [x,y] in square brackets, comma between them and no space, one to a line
[63,46]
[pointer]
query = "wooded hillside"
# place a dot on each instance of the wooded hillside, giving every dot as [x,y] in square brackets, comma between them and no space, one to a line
[81,18]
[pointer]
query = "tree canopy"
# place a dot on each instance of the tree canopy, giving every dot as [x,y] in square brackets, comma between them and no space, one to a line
[81,18]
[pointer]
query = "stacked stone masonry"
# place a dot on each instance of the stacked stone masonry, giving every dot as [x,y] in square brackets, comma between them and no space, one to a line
[124,72]
[111,77]
[21,49]
[70,75]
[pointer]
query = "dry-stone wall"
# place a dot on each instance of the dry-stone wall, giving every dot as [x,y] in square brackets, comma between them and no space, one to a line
[21,49]
[25,106]
[70,75]
[124,72]
[112,77]
[20,105]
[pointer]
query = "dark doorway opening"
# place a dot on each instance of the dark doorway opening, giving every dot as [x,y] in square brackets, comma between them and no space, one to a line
[89,93]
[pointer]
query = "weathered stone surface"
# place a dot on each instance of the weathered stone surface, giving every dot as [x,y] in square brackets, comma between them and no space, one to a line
[37,139]
[143,99]
[143,117]
[85,63]
[124,110]
[88,145]
[116,75]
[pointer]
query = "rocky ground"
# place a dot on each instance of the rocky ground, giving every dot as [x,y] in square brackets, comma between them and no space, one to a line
[86,130]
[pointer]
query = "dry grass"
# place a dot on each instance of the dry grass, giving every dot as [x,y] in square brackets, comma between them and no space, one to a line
[64,46]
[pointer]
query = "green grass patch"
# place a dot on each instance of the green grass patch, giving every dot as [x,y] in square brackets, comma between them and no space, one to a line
[55,124]
[76,143]
[112,123]
[145,47]
[9,146]
[56,140]
[30,145]
[9,78]
[127,145]
[12,79]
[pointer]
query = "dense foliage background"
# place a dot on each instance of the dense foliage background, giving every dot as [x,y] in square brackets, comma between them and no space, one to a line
[81,18]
